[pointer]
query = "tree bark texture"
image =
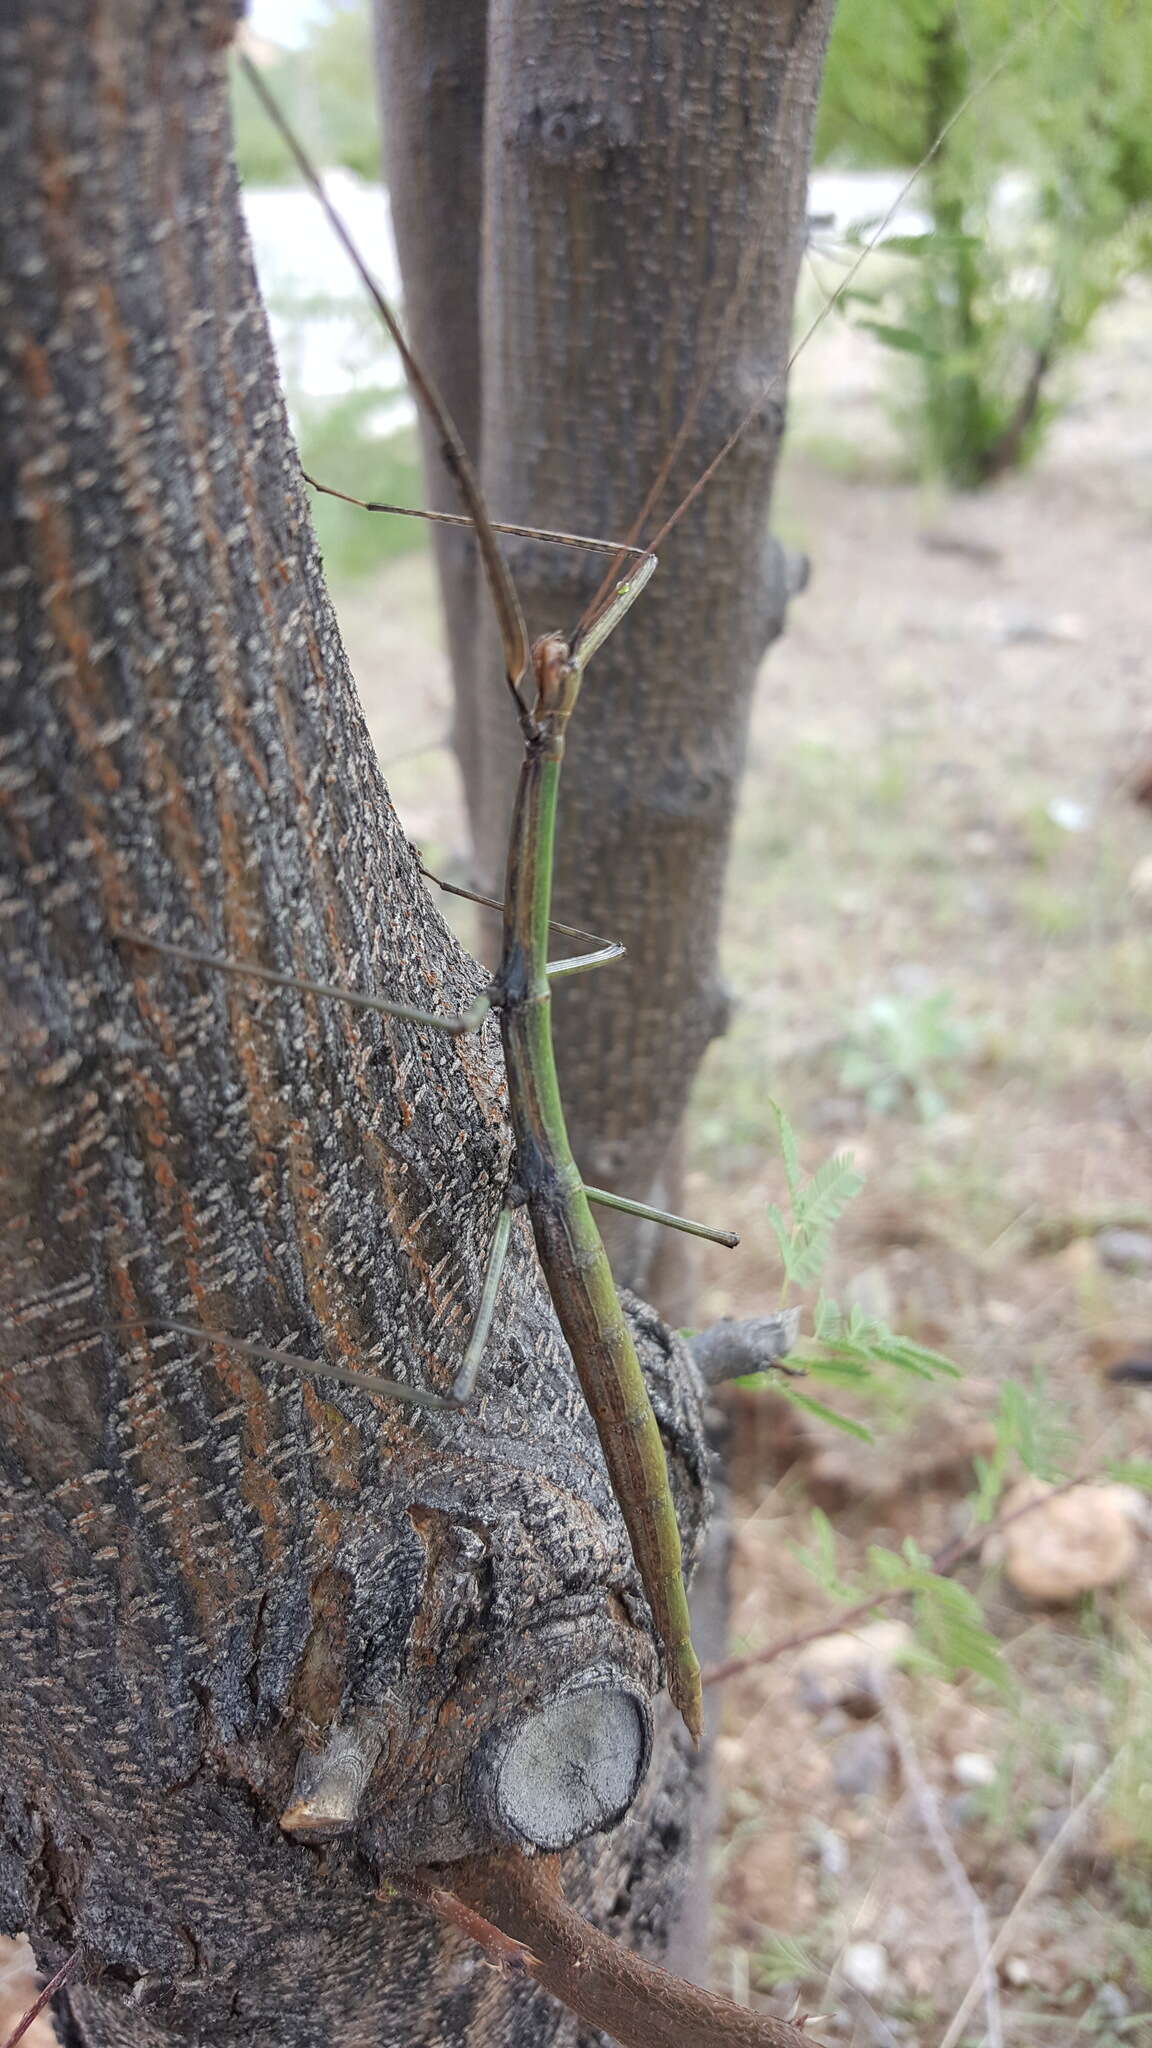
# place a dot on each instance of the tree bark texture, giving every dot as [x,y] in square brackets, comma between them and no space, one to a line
[644,176]
[261,1638]
[435,58]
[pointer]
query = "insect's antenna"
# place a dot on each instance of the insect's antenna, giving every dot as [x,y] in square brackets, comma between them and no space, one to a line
[773,383]
[695,400]
[513,630]
[562,540]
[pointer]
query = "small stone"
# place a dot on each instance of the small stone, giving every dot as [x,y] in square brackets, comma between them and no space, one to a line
[864,1965]
[862,1763]
[1140,880]
[1068,814]
[1112,2003]
[1069,1545]
[1082,1759]
[1125,1251]
[1019,628]
[971,1769]
[1016,1971]
[840,1670]
[831,1850]
[835,1723]
[1002,1313]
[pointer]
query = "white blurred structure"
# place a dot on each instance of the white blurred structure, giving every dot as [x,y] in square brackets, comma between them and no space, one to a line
[328,338]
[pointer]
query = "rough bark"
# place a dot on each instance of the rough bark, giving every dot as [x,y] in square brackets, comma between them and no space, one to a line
[434,58]
[644,185]
[260,1638]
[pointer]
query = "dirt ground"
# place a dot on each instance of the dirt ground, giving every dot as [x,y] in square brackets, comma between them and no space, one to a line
[939,939]
[939,817]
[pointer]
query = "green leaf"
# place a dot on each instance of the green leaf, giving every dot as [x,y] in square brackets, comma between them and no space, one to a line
[904,338]
[787,1137]
[816,1206]
[1131,1472]
[841,1372]
[820,1560]
[948,1620]
[865,1340]
[933,239]
[842,1422]
[781,1960]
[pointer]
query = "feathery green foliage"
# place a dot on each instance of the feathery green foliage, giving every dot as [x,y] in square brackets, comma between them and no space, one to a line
[1039,200]
[846,1347]
[859,1341]
[1030,1431]
[1131,1472]
[326,88]
[820,1560]
[899,1049]
[816,1205]
[949,1626]
[951,1635]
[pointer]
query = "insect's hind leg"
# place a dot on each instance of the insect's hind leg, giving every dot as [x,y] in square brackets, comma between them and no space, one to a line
[453,1027]
[630,1208]
[311,1368]
[580,962]
[465,1380]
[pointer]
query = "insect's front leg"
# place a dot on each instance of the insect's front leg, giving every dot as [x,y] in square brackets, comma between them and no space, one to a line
[465,1380]
[311,1368]
[222,963]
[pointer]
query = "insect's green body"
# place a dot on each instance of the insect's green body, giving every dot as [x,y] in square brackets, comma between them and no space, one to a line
[572,1255]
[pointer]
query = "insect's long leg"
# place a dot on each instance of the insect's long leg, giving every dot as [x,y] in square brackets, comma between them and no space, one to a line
[453,1027]
[613,948]
[513,631]
[563,540]
[465,1378]
[312,1368]
[582,961]
[606,1200]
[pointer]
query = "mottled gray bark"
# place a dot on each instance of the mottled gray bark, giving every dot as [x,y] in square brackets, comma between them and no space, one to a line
[434,58]
[260,1638]
[644,178]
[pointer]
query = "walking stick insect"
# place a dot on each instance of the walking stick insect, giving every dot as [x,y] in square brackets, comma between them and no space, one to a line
[546,1179]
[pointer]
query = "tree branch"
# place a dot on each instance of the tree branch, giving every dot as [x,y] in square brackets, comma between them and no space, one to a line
[731,1349]
[640,2005]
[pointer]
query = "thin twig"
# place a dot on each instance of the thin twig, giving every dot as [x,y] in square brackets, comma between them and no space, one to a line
[943,1564]
[928,1807]
[1053,1855]
[45,1997]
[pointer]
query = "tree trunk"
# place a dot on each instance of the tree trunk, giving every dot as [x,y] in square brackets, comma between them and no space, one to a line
[261,1638]
[644,177]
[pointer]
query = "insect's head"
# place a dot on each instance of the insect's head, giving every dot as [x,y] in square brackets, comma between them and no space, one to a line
[558,673]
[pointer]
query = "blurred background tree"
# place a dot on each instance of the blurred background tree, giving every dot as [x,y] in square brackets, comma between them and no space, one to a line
[1038,203]
[325,87]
